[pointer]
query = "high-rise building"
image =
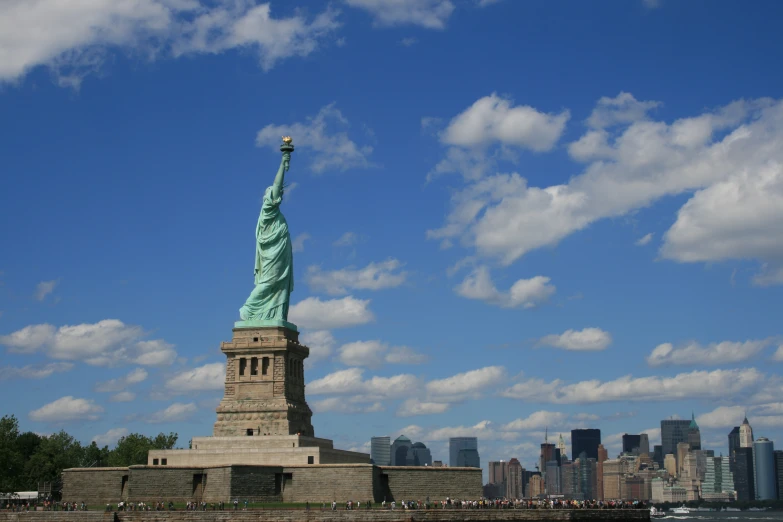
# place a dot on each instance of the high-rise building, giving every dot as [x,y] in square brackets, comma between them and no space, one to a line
[569,478]
[535,486]
[469,445]
[548,453]
[552,478]
[778,456]
[670,464]
[586,440]
[672,433]
[744,476]
[498,473]
[631,444]
[734,439]
[419,455]
[587,477]
[746,434]
[603,456]
[380,451]
[764,466]
[399,451]
[514,486]
[694,434]
[657,455]
[644,444]
[718,484]
[468,458]
[682,450]
[562,447]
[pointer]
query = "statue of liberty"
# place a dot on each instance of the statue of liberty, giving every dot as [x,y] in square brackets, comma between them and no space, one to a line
[274,268]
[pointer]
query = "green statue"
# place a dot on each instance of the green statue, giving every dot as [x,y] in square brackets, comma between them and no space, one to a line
[274,268]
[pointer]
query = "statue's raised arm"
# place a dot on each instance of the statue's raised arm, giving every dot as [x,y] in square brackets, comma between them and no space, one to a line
[274,266]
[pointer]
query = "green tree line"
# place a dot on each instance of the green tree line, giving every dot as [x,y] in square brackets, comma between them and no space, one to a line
[27,458]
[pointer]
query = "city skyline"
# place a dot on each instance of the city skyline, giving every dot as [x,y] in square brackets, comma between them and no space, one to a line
[503,214]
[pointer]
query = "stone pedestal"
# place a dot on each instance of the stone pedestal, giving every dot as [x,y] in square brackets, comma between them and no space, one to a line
[265,385]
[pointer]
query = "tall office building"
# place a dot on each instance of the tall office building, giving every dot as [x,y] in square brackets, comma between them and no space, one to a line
[631,443]
[644,444]
[514,485]
[586,440]
[744,475]
[419,455]
[603,456]
[778,455]
[498,473]
[746,434]
[694,434]
[380,451]
[399,451]
[463,452]
[672,433]
[562,447]
[764,466]
[548,453]
[734,439]
[718,484]
[657,455]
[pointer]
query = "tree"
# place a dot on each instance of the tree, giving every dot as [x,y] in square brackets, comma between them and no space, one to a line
[95,456]
[55,453]
[11,463]
[132,449]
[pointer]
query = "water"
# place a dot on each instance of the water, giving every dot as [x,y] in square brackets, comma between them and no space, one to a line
[726,516]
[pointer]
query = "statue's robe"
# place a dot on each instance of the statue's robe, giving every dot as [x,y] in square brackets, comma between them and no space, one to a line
[274,268]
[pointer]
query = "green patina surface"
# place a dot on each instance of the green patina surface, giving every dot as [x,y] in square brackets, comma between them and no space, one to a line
[255,323]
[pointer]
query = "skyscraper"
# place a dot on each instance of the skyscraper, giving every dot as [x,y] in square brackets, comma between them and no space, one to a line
[744,475]
[469,448]
[514,486]
[764,466]
[399,451]
[673,432]
[599,471]
[657,455]
[631,443]
[746,434]
[734,439]
[586,440]
[644,444]
[498,475]
[778,455]
[694,434]
[380,451]
[419,455]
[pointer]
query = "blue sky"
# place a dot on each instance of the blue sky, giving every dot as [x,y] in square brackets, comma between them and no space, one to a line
[508,215]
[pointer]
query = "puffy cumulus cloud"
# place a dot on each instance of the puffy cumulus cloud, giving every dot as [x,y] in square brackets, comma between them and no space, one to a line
[106,343]
[722,416]
[351,381]
[622,109]
[73,39]
[177,412]
[114,385]
[375,276]
[316,314]
[698,384]
[778,355]
[340,405]
[495,121]
[413,407]
[110,438]
[483,430]
[330,150]
[537,420]
[768,415]
[730,156]
[44,288]
[204,378]
[431,14]
[526,293]
[373,354]
[466,384]
[735,219]
[321,344]
[67,409]
[694,354]
[298,242]
[123,396]
[587,339]
[33,371]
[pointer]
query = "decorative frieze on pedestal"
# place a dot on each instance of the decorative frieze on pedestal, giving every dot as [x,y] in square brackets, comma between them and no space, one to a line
[265,386]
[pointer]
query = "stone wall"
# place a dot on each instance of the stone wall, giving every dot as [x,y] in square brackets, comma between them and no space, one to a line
[255,484]
[94,485]
[315,515]
[218,486]
[418,483]
[326,483]
[152,484]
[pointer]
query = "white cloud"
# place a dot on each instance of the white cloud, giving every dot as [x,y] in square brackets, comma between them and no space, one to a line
[483,430]
[340,405]
[351,381]
[347,239]
[694,354]
[587,339]
[330,150]
[45,288]
[124,396]
[373,354]
[537,420]
[110,437]
[203,378]
[467,383]
[299,241]
[527,293]
[732,153]
[778,355]
[320,342]
[409,41]
[431,14]
[73,39]
[694,385]
[106,343]
[177,412]
[33,371]
[114,385]
[622,109]
[375,276]
[721,417]
[413,407]
[644,240]
[333,313]
[67,409]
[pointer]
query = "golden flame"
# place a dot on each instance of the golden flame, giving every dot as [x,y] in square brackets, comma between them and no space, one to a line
[287,140]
